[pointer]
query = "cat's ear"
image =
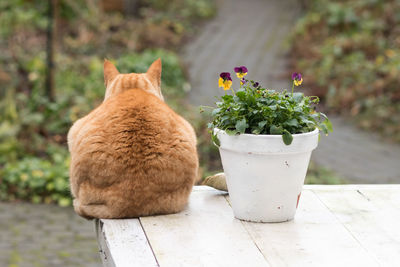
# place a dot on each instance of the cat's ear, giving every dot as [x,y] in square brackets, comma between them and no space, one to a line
[110,71]
[154,73]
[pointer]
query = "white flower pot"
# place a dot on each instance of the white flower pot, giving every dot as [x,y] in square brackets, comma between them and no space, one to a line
[264,176]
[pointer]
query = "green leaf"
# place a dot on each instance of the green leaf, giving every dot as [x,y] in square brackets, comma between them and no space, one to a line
[64,202]
[275,130]
[215,111]
[60,184]
[293,122]
[261,124]
[215,140]
[226,98]
[241,125]
[273,107]
[287,138]
[297,109]
[224,118]
[231,132]
[241,95]
[327,122]
[323,115]
[297,97]
[324,129]
[328,125]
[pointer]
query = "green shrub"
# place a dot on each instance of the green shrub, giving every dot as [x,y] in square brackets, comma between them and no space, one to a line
[350,51]
[182,13]
[37,180]
[184,9]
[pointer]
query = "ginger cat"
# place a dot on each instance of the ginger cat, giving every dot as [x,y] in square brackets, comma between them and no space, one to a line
[133,155]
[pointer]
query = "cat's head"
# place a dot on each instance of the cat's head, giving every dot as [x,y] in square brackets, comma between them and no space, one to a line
[117,83]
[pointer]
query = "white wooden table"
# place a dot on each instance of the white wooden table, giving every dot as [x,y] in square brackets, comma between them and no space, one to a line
[347,225]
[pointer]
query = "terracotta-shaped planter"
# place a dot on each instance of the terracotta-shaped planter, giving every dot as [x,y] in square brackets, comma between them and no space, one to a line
[264,176]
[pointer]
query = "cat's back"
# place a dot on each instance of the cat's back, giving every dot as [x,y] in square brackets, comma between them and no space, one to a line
[138,114]
[134,127]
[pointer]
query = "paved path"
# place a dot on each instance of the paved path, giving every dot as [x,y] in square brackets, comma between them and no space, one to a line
[252,33]
[360,156]
[45,236]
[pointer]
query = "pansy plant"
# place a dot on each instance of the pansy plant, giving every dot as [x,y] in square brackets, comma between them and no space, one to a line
[256,110]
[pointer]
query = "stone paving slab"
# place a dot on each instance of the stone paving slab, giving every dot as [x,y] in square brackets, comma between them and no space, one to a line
[45,236]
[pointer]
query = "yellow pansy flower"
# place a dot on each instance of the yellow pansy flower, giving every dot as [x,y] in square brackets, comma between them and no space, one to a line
[225,80]
[298,82]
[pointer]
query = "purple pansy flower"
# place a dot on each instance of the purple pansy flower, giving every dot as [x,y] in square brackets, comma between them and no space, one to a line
[297,79]
[241,69]
[243,81]
[225,76]
[256,84]
[296,76]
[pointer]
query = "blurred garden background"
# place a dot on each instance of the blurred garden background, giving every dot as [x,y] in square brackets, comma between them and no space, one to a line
[51,74]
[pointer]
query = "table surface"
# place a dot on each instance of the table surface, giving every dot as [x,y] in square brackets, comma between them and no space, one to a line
[344,225]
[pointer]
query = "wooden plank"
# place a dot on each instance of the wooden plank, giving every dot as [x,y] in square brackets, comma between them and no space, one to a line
[314,238]
[205,234]
[384,199]
[372,215]
[352,187]
[105,254]
[123,243]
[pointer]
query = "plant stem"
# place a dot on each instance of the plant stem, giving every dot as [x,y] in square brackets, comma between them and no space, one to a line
[202,106]
[292,87]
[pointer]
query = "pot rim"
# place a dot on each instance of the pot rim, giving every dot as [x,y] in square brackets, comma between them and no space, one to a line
[313,132]
[267,143]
